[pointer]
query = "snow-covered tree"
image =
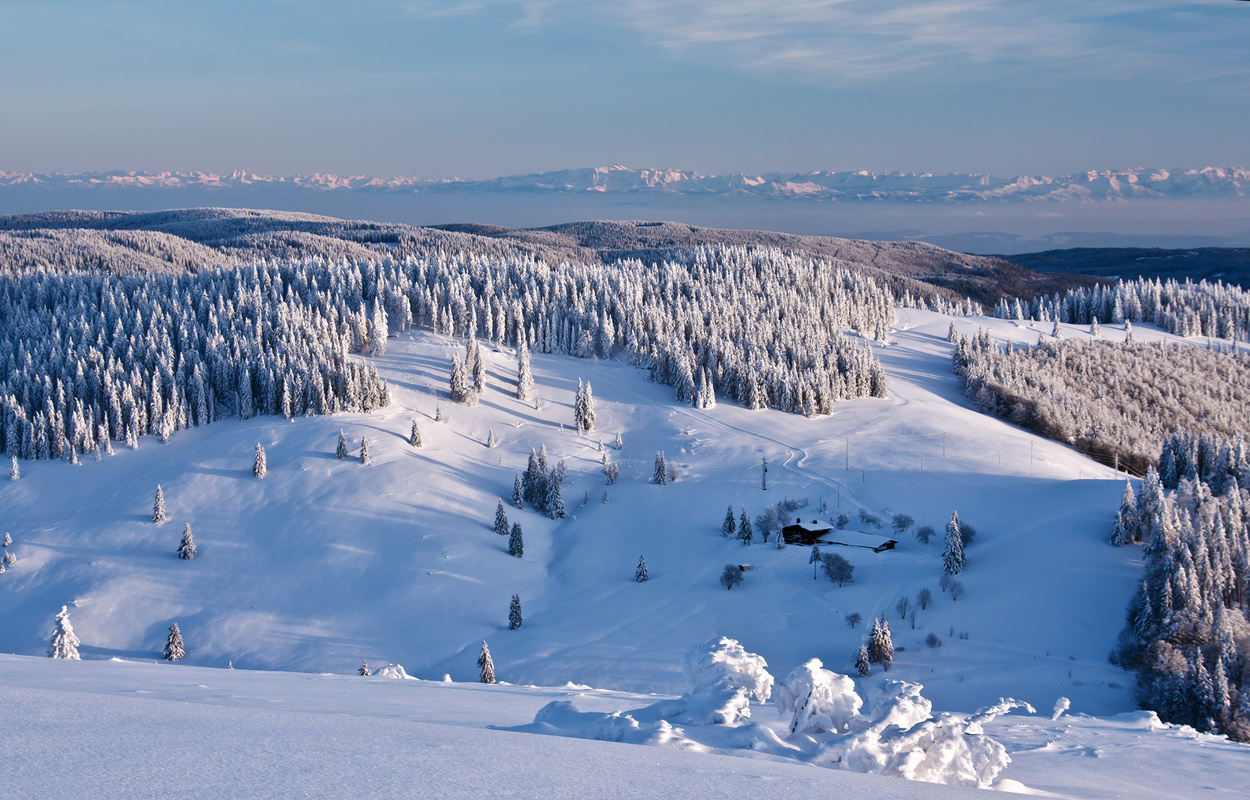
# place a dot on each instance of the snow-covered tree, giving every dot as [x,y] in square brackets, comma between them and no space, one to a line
[641,575]
[490,438]
[745,532]
[485,665]
[620,443]
[186,550]
[8,540]
[660,475]
[863,665]
[514,613]
[476,366]
[518,492]
[764,474]
[341,451]
[64,642]
[731,576]
[516,546]
[414,435]
[584,408]
[459,383]
[365,458]
[953,553]
[1126,529]
[880,646]
[924,598]
[729,528]
[837,568]
[438,412]
[14,472]
[501,520]
[158,507]
[364,670]
[259,468]
[173,644]
[525,378]
[554,505]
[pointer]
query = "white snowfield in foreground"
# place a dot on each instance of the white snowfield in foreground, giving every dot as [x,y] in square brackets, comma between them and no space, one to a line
[324,563]
[102,729]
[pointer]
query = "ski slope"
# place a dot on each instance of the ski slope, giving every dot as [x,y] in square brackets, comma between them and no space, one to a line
[325,563]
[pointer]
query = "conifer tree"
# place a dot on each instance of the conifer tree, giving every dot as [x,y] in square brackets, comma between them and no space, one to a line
[10,558]
[64,643]
[814,559]
[584,408]
[514,613]
[953,554]
[490,438]
[341,451]
[414,435]
[478,367]
[364,670]
[485,665]
[186,550]
[438,412]
[518,492]
[458,384]
[158,507]
[501,520]
[8,540]
[554,505]
[620,443]
[880,646]
[862,665]
[14,472]
[516,547]
[641,575]
[173,645]
[525,378]
[1126,529]
[745,533]
[259,469]
[660,475]
[729,527]
[365,458]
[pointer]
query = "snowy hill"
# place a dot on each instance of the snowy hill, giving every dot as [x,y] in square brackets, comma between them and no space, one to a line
[326,562]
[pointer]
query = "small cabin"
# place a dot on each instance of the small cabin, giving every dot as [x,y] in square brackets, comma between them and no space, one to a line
[800,532]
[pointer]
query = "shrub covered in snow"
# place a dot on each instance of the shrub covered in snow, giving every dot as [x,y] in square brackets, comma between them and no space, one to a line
[723,678]
[816,699]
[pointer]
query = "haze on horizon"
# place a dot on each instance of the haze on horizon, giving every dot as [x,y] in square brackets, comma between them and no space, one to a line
[482,88]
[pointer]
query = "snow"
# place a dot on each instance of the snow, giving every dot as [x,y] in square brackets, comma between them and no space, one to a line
[324,563]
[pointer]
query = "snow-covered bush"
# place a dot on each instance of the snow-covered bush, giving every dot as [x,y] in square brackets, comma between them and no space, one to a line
[816,699]
[723,678]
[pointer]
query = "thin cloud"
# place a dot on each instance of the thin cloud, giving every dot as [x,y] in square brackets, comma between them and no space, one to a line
[870,38]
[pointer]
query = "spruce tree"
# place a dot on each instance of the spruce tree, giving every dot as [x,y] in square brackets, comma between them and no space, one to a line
[14,472]
[173,645]
[660,475]
[516,547]
[64,643]
[501,520]
[729,527]
[880,646]
[525,378]
[458,383]
[186,550]
[438,412]
[258,464]
[485,665]
[490,438]
[364,670]
[158,507]
[814,559]
[518,492]
[414,436]
[554,505]
[744,527]
[8,540]
[620,443]
[862,664]
[953,554]
[341,451]
[514,613]
[365,458]
[478,368]
[641,575]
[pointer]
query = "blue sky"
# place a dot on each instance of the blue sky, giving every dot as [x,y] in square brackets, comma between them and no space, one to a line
[481,88]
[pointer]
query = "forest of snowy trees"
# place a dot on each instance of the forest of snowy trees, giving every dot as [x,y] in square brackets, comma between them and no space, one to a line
[1114,401]
[1186,309]
[1188,629]
[90,359]
[87,359]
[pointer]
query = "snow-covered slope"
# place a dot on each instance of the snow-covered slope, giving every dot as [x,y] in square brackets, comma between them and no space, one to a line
[323,563]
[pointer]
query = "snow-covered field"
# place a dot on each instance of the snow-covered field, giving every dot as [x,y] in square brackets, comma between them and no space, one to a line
[324,563]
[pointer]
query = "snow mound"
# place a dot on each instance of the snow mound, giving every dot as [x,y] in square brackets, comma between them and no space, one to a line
[394,671]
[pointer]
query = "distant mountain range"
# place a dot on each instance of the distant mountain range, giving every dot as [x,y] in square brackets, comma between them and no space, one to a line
[862,186]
